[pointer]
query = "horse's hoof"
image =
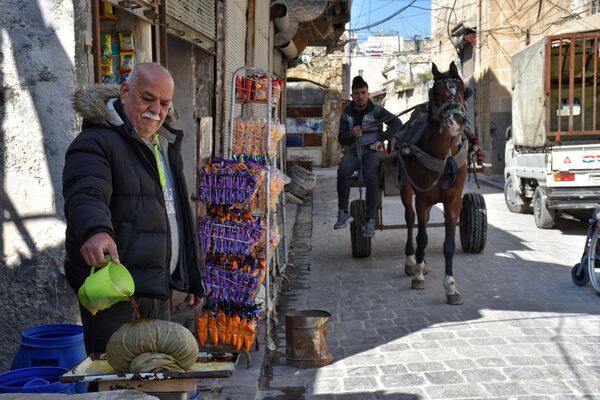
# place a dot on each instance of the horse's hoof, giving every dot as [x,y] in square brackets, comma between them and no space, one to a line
[417,284]
[454,299]
[412,269]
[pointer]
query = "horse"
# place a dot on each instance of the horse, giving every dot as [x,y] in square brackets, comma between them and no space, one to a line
[433,168]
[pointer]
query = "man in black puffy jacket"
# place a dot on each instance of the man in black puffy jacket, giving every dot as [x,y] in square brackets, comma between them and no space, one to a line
[125,196]
[361,131]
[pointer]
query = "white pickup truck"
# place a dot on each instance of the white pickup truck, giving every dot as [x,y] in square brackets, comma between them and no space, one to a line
[552,153]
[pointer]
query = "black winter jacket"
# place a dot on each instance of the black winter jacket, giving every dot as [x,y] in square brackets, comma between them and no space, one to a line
[111,184]
[370,123]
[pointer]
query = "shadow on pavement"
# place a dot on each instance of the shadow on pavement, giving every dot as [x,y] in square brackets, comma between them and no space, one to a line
[518,302]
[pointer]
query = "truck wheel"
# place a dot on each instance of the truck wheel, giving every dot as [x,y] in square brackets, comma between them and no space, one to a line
[361,245]
[514,201]
[542,215]
[473,223]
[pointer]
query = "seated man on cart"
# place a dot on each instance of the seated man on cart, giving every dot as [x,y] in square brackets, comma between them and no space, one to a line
[361,133]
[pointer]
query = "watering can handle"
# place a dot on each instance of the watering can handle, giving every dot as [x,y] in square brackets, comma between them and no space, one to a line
[107,259]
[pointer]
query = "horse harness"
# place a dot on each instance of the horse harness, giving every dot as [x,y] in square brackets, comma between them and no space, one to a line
[451,162]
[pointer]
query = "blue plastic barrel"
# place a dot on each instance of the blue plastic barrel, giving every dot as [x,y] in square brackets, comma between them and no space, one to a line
[57,345]
[35,380]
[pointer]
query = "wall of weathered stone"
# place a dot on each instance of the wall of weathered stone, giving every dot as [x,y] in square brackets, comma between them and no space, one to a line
[503,28]
[37,76]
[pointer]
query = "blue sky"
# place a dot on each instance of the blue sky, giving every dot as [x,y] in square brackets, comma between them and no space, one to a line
[415,20]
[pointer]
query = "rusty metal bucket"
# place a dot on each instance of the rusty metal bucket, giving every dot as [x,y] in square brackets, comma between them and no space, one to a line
[306,338]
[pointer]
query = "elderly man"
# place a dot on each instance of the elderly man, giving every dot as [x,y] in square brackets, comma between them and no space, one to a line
[125,196]
[361,132]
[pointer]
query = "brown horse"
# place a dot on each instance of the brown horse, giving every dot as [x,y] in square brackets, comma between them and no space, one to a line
[433,169]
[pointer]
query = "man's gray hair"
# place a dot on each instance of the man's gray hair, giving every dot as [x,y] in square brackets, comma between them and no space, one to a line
[143,67]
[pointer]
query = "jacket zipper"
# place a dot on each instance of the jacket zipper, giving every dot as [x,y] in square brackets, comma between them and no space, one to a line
[154,169]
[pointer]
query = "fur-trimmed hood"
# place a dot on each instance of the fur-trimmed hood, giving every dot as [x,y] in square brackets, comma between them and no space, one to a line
[95,105]
[91,104]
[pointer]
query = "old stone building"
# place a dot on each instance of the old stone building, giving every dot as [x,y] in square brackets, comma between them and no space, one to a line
[482,37]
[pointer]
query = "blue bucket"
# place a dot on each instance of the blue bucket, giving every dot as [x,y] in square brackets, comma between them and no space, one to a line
[35,380]
[58,345]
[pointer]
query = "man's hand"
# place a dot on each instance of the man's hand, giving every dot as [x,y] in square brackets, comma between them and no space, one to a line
[377,146]
[194,301]
[94,248]
[357,131]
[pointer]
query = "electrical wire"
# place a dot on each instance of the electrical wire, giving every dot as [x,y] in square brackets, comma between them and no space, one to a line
[385,19]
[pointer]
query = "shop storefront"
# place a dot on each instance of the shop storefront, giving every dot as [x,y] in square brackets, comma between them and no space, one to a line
[124,33]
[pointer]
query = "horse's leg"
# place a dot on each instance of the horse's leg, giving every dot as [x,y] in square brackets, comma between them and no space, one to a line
[423,209]
[451,215]
[406,194]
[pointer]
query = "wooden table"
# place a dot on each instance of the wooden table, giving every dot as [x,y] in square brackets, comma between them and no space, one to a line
[164,385]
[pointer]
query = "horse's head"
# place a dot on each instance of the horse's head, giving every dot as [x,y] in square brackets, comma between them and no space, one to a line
[447,97]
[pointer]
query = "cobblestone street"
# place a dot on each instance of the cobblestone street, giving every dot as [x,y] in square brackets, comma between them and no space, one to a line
[525,331]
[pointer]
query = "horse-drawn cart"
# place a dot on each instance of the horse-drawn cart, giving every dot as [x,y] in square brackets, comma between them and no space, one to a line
[429,164]
[473,217]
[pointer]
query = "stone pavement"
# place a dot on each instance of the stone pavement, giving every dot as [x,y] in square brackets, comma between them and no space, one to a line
[525,331]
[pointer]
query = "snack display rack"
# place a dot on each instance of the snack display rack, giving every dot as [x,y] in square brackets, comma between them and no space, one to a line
[239,233]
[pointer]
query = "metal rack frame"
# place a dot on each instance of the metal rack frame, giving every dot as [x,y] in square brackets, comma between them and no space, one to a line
[269,162]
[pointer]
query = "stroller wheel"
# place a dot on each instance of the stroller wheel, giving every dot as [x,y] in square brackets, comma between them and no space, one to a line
[579,275]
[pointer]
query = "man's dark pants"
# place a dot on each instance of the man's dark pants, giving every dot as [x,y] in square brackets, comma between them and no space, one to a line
[350,163]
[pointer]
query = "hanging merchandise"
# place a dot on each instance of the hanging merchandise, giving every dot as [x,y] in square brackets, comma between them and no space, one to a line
[230,182]
[278,182]
[106,60]
[126,42]
[223,324]
[107,11]
[254,87]
[230,231]
[233,279]
[238,234]
[127,47]
[250,138]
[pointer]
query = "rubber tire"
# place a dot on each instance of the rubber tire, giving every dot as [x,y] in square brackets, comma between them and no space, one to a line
[361,245]
[520,205]
[580,280]
[473,223]
[543,217]
[592,274]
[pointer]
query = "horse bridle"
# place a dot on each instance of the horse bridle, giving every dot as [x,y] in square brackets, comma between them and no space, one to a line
[451,107]
[442,114]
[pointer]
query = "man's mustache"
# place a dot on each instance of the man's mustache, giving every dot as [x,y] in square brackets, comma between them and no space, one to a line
[149,115]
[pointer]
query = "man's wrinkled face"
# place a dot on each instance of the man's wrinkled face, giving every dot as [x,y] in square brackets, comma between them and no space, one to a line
[146,102]
[360,96]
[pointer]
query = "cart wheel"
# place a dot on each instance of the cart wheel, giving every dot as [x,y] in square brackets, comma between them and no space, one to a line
[579,274]
[473,223]
[542,215]
[593,262]
[361,245]
[514,201]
